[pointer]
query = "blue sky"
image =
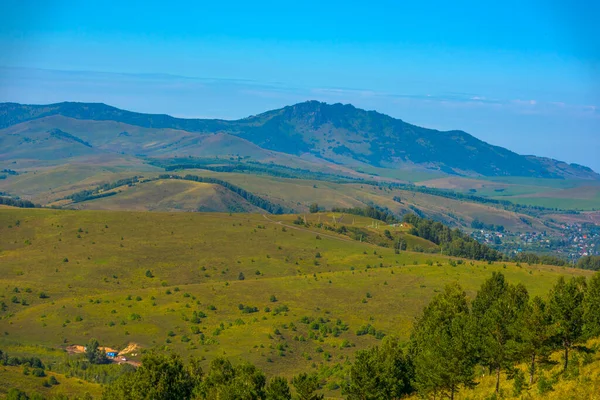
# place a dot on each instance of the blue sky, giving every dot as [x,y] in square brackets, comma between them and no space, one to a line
[521,74]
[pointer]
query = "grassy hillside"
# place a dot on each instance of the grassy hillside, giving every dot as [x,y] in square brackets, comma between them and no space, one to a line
[550,193]
[48,186]
[129,277]
[13,377]
[171,195]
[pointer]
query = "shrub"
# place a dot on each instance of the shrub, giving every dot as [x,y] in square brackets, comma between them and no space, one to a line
[518,383]
[544,385]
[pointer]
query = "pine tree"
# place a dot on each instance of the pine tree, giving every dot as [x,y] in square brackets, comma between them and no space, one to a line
[442,345]
[306,385]
[498,310]
[591,307]
[536,333]
[278,389]
[566,310]
[380,373]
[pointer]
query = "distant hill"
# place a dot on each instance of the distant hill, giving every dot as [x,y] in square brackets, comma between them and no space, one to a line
[342,134]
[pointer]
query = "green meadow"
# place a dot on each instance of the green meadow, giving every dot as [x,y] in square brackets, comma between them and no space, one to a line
[250,287]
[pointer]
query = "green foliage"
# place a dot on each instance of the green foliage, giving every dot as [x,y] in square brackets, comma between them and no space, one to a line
[453,242]
[160,377]
[498,312]
[589,262]
[591,307]
[544,385]
[278,389]
[477,224]
[518,382]
[7,201]
[16,394]
[374,212]
[246,195]
[443,345]
[536,333]
[531,258]
[223,381]
[380,373]
[94,354]
[306,385]
[566,310]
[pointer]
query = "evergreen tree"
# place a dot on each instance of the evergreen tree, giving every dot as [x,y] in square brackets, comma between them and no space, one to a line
[306,385]
[278,389]
[566,310]
[94,354]
[380,373]
[160,377]
[442,345]
[498,310]
[536,333]
[591,307]
[225,382]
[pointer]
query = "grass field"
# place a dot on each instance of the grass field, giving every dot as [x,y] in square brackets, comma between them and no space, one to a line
[129,277]
[48,185]
[551,193]
[13,377]
[171,195]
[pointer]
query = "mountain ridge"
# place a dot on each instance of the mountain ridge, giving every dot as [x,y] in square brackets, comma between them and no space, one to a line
[338,133]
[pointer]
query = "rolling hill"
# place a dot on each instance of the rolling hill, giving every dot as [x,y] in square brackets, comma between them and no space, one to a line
[171,195]
[340,134]
[248,287]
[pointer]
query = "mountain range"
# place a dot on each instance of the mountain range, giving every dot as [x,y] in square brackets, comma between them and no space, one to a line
[334,134]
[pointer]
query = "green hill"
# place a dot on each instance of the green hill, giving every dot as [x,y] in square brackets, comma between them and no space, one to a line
[284,296]
[337,133]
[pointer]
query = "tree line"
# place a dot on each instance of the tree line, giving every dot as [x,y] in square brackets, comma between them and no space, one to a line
[246,195]
[167,377]
[589,262]
[253,167]
[453,242]
[378,213]
[100,191]
[8,201]
[532,258]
